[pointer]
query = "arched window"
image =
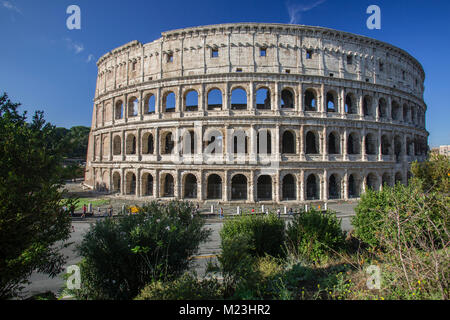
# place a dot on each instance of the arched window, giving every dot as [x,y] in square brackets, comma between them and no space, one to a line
[382,108]
[331,102]
[397,148]
[386,179]
[287,99]
[168,186]
[116,182]
[169,102]
[334,190]
[353,144]
[147,184]
[311,143]
[215,99]
[150,104]
[371,144]
[310,100]
[288,143]
[371,181]
[130,184]
[385,145]
[191,100]
[169,144]
[148,146]
[350,105]
[312,187]
[264,188]
[288,188]
[117,146]
[367,103]
[118,110]
[239,187]
[133,107]
[398,178]
[333,143]
[190,187]
[214,187]
[189,142]
[263,99]
[395,111]
[240,142]
[131,144]
[353,187]
[238,99]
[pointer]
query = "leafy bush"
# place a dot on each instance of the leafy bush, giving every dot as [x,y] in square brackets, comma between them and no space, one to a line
[121,256]
[433,174]
[312,235]
[187,287]
[408,201]
[265,232]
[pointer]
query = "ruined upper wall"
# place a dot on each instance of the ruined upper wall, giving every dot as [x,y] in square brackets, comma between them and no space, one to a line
[189,52]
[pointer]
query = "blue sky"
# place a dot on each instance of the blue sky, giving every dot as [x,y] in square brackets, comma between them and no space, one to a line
[47,67]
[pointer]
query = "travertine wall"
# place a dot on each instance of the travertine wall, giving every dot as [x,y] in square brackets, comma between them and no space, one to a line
[347,91]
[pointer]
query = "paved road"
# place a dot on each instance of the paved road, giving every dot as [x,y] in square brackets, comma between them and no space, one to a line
[42,283]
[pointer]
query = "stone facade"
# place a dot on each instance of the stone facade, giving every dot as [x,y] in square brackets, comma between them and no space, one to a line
[324,114]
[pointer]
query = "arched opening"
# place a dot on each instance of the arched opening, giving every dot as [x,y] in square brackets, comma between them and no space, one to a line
[395,111]
[168,143]
[264,143]
[131,144]
[311,143]
[331,102]
[288,188]
[310,100]
[386,179]
[133,107]
[406,113]
[371,144]
[288,143]
[371,181]
[117,146]
[367,103]
[385,145]
[353,144]
[118,110]
[382,108]
[397,148]
[116,182]
[213,143]
[398,178]
[191,101]
[287,99]
[333,143]
[148,146]
[238,99]
[334,190]
[169,102]
[168,186]
[240,142]
[350,105]
[264,188]
[263,99]
[239,187]
[147,184]
[99,115]
[214,187]
[312,187]
[353,187]
[130,184]
[215,99]
[150,104]
[190,187]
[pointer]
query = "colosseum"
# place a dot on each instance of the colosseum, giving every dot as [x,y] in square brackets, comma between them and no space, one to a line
[255,112]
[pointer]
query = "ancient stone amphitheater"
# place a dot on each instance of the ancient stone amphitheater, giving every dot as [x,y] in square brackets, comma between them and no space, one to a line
[253,112]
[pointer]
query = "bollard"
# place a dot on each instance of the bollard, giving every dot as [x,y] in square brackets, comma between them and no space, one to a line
[89,208]
[326,206]
[212,208]
[238,210]
[285,210]
[123,209]
[306,208]
[262,208]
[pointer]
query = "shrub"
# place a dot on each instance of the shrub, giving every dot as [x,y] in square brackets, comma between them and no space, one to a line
[265,232]
[187,287]
[121,256]
[312,235]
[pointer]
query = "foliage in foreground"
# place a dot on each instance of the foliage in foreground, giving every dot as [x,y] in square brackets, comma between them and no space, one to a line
[121,256]
[32,221]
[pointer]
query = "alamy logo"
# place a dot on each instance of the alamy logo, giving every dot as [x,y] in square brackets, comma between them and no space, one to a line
[374,280]
[74,279]
[374,21]
[74,20]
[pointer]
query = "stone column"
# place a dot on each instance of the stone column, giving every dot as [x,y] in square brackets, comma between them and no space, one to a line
[124,150]
[225,194]
[345,185]
[379,153]
[344,144]
[110,147]
[157,150]
[251,187]
[300,107]
[323,101]
[253,144]
[251,98]
[156,184]
[325,185]
[302,143]
[302,185]
[324,144]
[138,183]
[276,187]
[138,145]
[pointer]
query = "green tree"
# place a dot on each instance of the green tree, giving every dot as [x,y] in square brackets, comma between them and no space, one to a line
[31,217]
[433,174]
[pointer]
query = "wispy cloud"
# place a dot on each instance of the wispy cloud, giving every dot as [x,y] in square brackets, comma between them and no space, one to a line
[90,58]
[74,46]
[295,10]
[10,6]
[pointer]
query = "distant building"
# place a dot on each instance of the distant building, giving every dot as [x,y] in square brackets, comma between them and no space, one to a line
[443,150]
